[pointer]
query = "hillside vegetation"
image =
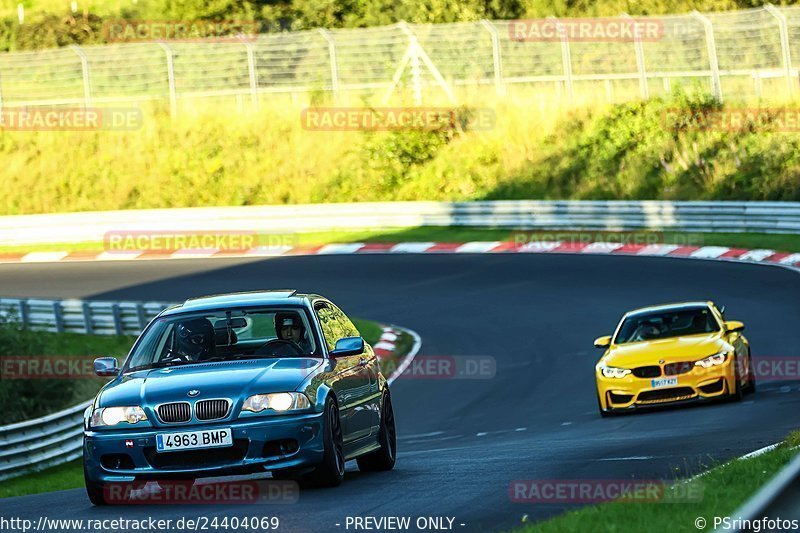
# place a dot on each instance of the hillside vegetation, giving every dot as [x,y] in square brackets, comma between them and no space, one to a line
[622,151]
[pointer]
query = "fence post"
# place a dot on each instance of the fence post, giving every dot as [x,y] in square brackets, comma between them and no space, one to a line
[416,74]
[639,50]
[115,313]
[566,58]
[251,70]
[24,315]
[58,317]
[173,95]
[786,51]
[87,318]
[140,315]
[334,62]
[497,58]
[87,86]
[711,45]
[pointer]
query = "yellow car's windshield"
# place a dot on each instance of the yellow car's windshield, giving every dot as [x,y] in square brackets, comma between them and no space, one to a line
[651,325]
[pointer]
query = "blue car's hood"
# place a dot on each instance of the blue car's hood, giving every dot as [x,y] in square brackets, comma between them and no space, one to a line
[234,380]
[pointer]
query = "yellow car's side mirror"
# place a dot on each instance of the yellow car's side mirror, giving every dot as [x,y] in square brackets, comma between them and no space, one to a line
[733,325]
[602,342]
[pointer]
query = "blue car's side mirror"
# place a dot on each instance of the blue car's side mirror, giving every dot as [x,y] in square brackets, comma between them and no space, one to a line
[106,367]
[348,346]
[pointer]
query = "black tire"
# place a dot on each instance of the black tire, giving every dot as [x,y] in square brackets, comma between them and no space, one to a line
[95,491]
[603,412]
[330,472]
[385,457]
[751,378]
[738,394]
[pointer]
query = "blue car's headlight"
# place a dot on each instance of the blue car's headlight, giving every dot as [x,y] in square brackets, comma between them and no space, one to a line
[111,416]
[277,401]
[712,360]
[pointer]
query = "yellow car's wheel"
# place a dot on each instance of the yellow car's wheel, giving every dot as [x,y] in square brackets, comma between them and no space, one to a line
[605,413]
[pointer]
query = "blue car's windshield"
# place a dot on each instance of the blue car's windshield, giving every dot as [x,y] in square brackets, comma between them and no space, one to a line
[223,335]
[664,324]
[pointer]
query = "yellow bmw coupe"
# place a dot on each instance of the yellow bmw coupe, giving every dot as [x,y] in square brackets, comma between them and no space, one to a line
[674,353]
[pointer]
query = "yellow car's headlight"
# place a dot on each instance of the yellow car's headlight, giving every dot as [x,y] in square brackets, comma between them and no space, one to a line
[712,360]
[277,401]
[613,372]
[111,416]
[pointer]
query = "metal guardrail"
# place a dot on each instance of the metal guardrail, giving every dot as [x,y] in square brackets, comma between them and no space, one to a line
[776,500]
[729,217]
[79,316]
[41,443]
[57,438]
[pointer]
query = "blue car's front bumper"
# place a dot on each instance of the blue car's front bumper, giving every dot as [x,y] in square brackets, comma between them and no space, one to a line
[260,444]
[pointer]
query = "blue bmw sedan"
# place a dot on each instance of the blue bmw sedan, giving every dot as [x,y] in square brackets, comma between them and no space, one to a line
[241,383]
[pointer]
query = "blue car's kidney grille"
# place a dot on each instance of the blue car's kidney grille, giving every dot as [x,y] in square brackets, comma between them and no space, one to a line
[211,409]
[174,413]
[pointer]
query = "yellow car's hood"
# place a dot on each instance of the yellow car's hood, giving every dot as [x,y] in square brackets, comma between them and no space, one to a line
[672,350]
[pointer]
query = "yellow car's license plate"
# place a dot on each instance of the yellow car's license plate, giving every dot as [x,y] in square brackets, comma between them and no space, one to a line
[663,382]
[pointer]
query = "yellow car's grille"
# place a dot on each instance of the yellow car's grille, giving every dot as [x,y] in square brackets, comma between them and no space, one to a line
[665,395]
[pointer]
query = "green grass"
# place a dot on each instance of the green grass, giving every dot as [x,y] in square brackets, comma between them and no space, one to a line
[222,157]
[24,399]
[62,477]
[724,488]
[779,242]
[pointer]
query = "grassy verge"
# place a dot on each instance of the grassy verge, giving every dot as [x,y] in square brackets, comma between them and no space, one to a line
[723,488]
[62,477]
[23,399]
[225,157]
[786,243]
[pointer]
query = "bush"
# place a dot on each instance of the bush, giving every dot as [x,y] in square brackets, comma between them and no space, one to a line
[23,399]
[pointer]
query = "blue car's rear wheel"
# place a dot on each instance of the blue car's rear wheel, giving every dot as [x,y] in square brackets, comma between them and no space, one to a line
[385,457]
[330,472]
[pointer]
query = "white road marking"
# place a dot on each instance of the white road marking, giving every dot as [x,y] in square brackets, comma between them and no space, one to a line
[43,257]
[632,458]
[477,247]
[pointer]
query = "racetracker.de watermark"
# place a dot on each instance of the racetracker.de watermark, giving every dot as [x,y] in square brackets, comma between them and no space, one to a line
[783,120]
[180,30]
[181,492]
[211,240]
[447,367]
[625,238]
[586,30]
[562,491]
[396,118]
[71,119]
[47,367]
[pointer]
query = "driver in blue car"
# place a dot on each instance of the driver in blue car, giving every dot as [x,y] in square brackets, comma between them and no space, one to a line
[195,339]
[290,328]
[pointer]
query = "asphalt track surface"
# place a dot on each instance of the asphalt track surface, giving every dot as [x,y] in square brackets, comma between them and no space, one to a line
[463,441]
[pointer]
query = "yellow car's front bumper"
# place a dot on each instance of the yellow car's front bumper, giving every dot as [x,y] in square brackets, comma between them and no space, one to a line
[633,392]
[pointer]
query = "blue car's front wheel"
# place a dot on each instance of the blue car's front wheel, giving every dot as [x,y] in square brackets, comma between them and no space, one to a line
[95,491]
[330,472]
